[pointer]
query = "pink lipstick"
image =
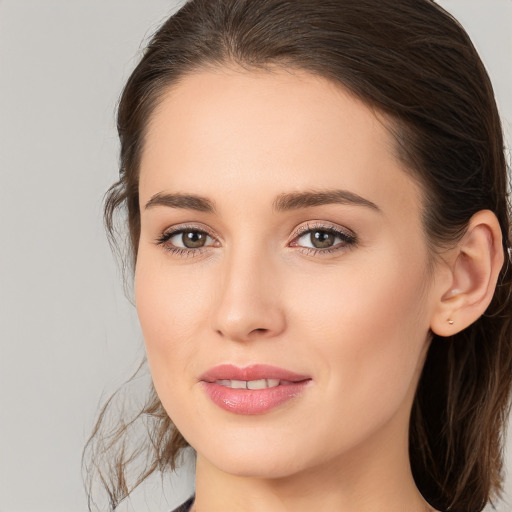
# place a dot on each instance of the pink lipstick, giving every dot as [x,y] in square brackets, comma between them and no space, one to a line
[254,389]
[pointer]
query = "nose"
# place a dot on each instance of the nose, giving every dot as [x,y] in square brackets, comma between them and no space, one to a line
[248,301]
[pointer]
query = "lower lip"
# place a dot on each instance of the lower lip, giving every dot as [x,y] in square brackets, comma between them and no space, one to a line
[252,401]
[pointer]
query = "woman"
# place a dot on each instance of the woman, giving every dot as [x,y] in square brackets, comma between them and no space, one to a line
[316,200]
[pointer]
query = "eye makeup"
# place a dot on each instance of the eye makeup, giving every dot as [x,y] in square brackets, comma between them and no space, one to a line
[317,239]
[320,236]
[192,240]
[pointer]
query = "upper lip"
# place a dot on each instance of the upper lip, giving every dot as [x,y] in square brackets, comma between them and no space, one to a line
[251,372]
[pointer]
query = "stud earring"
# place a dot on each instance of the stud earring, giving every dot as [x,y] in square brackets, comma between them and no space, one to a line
[451,322]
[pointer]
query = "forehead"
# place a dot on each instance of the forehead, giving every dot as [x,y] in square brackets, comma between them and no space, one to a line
[215,106]
[236,128]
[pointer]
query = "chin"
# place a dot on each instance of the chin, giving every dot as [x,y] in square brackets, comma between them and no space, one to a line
[266,465]
[251,454]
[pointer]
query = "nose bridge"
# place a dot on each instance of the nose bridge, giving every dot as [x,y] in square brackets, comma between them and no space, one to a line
[247,301]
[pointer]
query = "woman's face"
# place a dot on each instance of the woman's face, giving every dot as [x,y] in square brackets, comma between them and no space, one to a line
[279,229]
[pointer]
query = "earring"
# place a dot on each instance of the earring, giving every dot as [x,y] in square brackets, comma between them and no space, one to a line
[451,322]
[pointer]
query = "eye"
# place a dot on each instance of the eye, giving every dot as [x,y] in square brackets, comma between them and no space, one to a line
[190,239]
[319,239]
[324,239]
[185,241]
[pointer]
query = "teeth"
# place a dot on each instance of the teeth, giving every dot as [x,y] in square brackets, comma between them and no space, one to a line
[238,384]
[250,384]
[257,384]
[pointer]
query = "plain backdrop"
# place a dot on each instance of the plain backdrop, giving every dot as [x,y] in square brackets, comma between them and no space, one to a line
[68,334]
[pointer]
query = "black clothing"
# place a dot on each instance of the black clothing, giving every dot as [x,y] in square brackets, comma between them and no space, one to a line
[185,507]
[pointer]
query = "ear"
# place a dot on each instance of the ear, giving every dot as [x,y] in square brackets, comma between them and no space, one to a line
[473,267]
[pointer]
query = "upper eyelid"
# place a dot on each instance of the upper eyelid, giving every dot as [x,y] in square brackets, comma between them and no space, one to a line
[172,230]
[326,227]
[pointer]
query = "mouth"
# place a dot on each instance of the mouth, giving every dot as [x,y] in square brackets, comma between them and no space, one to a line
[253,374]
[254,389]
[253,384]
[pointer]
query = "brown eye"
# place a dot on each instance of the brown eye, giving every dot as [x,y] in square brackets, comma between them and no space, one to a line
[193,239]
[186,239]
[322,239]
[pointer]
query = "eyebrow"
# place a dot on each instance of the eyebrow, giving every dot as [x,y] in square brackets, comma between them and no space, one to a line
[283,202]
[307,199]
[186,201]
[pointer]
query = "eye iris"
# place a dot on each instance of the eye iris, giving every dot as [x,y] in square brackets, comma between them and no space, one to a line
[322,239]
[193,239]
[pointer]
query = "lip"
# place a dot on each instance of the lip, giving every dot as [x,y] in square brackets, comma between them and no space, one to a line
[252,401]
[251,372]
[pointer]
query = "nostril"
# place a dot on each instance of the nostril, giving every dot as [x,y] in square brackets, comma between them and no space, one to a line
[262,330]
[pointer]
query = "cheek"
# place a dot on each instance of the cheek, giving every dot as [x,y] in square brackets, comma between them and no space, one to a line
[367,330]
[169,306]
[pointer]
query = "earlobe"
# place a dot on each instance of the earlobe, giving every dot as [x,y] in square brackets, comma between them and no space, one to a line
[474,268]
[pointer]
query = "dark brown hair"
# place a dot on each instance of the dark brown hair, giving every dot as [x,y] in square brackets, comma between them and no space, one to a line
[412,62]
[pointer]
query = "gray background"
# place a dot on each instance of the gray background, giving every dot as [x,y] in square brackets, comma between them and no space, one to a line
[68,334]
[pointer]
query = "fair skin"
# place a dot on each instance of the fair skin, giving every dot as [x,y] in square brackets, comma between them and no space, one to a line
[352,314]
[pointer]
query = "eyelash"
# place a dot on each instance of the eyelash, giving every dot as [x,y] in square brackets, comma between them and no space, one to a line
[181,251]
[348,240]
